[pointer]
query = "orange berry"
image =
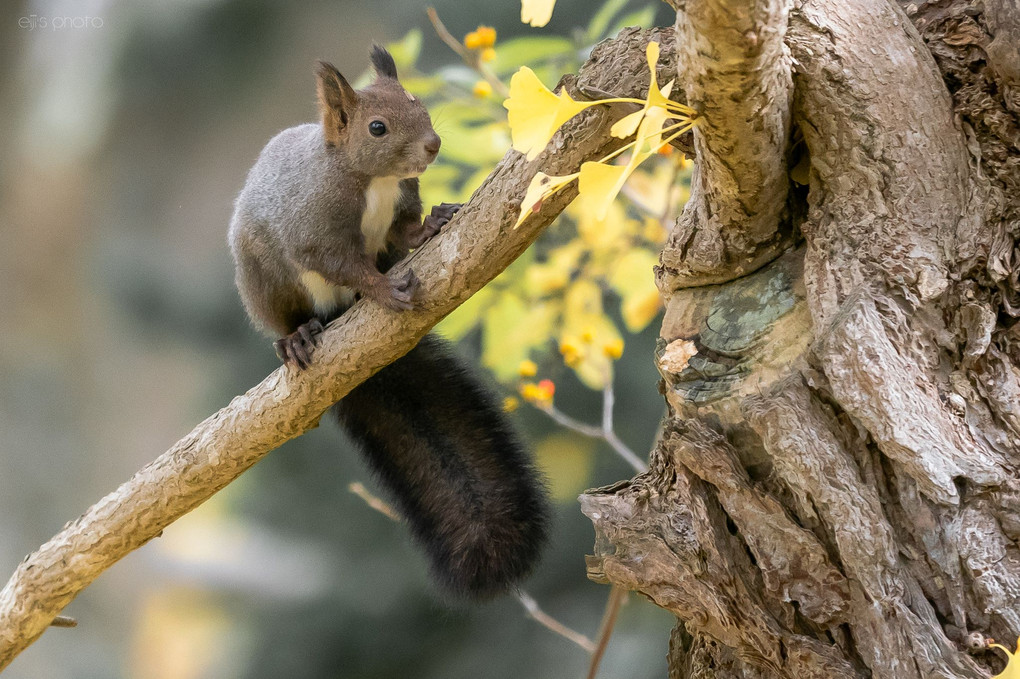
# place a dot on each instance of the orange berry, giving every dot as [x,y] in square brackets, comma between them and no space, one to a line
[486,36]
[548,388]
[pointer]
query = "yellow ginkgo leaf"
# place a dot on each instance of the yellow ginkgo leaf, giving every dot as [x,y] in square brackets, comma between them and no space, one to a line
[649,134]
[657,97]
[601,234]
[537,13]
[553,274]
[652,191]
[541,187]
[584,331]
[598,185]
[1012,670]
[634,281]
[640,308]
[542,279]
[535,113]
[627,125]
[512,329]
[661,97]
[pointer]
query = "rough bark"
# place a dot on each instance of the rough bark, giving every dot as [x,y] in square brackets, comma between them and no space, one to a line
[835,492]
[735,69]
[478,243]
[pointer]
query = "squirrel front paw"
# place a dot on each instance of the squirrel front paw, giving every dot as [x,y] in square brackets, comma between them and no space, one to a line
[397,293]
[439,217]
[296,348]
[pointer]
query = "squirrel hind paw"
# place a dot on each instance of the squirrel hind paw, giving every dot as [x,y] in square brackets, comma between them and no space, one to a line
[296,348]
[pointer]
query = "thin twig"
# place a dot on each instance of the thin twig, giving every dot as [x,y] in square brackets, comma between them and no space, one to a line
[608,401]
[358,488]
[445,35]
[626,453]
[561,418]
[606,432]
[609,431]
[471,57]
[550,623]
[617,595]
[529,603]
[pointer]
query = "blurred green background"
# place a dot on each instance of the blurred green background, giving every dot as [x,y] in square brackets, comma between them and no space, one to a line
[126,130]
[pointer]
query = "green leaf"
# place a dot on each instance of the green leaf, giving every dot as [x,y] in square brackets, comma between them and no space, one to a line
[517,52]
[512,330]
[600,22]
[472,183]
[467,316]
[644,18]
[406,50]
[565,459]
[477,146]
[437,183]
[422,86]
[459,112]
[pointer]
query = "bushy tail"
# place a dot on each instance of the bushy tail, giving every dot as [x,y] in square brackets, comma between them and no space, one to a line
[459,474]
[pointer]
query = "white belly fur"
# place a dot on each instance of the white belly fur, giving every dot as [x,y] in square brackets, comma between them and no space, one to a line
[380,203]
[326,297]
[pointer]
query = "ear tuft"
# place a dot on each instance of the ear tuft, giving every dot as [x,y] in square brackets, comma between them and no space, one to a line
[383,62]
[337,100]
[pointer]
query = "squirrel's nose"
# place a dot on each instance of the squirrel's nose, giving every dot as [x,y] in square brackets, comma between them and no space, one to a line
[432,145]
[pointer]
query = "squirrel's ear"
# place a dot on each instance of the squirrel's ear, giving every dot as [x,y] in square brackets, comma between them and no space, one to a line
[337,100]
[383,62]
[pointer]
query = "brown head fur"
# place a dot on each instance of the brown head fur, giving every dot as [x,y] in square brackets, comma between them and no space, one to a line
[383,130]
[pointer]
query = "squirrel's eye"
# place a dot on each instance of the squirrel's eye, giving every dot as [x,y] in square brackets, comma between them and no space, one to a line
[377,128]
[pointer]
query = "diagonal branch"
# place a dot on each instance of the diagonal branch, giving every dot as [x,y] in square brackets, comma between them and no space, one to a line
[476,246]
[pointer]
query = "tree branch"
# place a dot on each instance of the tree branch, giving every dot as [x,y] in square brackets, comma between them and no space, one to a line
[736,70]
[476,246]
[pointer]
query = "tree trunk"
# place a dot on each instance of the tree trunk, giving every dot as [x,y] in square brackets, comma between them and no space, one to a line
[835,493]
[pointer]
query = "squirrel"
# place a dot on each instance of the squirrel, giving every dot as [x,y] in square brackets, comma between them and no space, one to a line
[326,210]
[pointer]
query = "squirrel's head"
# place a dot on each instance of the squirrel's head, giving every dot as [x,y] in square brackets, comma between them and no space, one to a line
[383,129]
